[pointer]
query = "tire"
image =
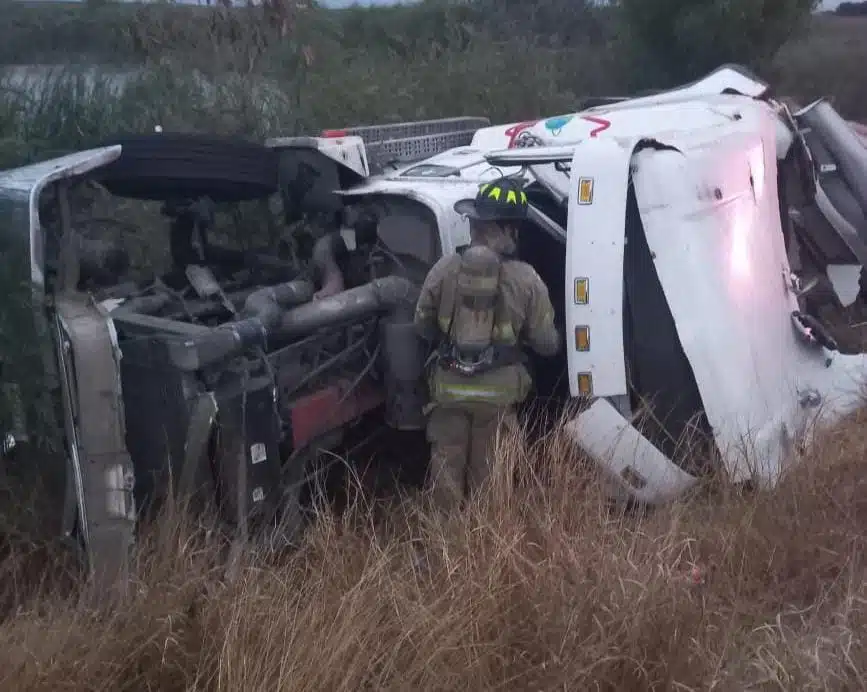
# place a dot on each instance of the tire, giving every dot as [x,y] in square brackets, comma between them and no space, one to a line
[164,166]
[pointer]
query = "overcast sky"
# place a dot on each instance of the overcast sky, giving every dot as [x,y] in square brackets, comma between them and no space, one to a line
[826,4]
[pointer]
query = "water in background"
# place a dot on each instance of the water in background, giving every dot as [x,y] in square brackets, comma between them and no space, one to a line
[32,76]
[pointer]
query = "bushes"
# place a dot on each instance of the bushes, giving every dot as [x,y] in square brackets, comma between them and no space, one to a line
[245,70]
[671,42]
[333,70]
[828,61]
[851,9]
[367,65]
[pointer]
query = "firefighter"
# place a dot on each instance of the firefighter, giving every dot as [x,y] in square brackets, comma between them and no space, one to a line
[479,307]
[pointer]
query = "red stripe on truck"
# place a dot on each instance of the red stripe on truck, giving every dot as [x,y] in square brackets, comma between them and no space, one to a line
[326,409]
[602,122]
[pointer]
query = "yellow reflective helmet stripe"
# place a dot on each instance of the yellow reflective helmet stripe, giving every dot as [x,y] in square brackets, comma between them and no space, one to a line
[496,192]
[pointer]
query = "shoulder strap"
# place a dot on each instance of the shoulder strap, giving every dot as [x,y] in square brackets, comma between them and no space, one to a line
[503,326]
[448,303]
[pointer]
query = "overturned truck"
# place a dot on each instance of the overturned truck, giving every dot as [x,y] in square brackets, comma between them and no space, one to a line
[704,249]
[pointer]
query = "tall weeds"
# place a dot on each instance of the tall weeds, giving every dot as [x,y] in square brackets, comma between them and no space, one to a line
[539,585]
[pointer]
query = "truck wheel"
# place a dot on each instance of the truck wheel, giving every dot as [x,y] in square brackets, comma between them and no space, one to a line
[162,166]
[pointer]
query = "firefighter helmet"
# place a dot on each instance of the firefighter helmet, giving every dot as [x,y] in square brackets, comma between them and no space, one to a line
[499,200]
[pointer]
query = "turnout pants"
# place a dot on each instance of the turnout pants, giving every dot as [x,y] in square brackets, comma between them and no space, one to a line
[462,438]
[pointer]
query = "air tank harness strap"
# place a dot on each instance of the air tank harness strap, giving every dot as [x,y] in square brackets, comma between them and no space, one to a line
[494,357]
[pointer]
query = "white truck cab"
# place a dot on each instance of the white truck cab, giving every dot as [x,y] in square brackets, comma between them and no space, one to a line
[662,227]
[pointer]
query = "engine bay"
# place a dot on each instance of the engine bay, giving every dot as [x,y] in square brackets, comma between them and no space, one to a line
[280,360]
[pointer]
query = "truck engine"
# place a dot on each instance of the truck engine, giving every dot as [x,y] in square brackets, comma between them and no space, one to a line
[248,366]
[235,380]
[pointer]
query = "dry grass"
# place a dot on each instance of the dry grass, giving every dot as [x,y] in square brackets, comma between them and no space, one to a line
[536,586]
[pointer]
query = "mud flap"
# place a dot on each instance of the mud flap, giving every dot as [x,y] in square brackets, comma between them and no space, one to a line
[101,467]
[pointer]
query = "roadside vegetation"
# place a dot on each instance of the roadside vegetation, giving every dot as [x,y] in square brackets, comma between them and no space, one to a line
[540,584]
[247,71]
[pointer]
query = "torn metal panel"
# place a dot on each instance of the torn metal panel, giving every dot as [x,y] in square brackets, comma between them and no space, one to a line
[203,414]
[841,216]
[820,238]
[101,466]
[713,225]
[842,142]
[626,457]
[32,179]
[715,239]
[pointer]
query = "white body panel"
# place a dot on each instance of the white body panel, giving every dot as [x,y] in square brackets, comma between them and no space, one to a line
[654,120]
[700,105]
[594,253]
[438,196]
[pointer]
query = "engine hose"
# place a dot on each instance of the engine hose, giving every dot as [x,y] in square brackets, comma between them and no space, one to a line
[325,253]
[268,304]
[390,294]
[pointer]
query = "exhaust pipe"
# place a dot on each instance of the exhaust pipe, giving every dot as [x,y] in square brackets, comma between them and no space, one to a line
[268,304]
[391,294]
[844,144]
